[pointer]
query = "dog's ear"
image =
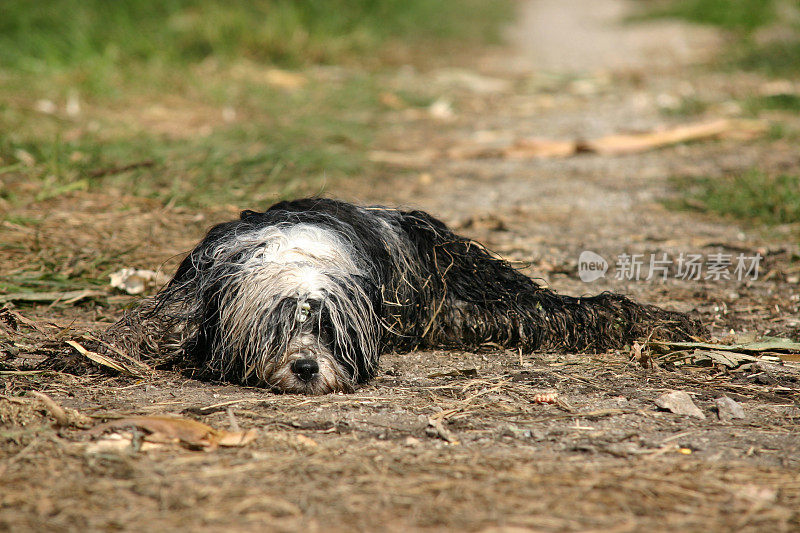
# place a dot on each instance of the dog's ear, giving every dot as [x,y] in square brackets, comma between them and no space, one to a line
[248,213]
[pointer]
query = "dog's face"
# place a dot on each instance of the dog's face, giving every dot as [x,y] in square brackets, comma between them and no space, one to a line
[307,349]
[290,309]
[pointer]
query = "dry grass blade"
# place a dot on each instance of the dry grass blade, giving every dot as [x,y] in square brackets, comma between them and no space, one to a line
[103,360]
[144,367]
[68,297]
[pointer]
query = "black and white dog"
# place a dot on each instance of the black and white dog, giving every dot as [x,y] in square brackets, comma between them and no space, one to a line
[306,296]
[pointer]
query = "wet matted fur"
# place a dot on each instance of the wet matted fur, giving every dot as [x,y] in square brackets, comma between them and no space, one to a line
[306,296]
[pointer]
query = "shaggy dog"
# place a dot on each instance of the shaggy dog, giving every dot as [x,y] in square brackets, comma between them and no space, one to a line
[306,296]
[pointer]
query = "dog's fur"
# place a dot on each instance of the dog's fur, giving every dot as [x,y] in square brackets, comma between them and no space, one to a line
[336,284]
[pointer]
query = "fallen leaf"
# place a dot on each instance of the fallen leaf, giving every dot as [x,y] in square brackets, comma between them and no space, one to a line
[545,397]
[680,403]
[436,429]
[391,100]
[187,432]
[306,442]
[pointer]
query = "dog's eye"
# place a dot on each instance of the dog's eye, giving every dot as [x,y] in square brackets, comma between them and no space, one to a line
[303,312]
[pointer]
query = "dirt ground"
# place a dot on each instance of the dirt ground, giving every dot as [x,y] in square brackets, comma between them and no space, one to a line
[455,440]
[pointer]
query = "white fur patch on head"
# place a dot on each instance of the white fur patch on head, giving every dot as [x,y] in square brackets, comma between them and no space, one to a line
[264,267]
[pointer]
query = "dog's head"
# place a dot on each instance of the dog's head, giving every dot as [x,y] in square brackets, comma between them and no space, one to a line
[286,307]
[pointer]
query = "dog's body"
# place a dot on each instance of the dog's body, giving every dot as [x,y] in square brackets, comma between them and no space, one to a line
[305,297]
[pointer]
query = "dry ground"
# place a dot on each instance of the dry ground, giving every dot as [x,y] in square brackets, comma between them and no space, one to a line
[452,440]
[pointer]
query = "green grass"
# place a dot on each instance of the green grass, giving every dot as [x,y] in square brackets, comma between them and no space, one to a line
[753,196]
[287,143]
[774,102]
[781,58]
[124,57]
[743,16]
[687,106]
[69,32]
[741,19]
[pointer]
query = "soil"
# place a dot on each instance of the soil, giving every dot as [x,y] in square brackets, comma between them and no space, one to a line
[491,441]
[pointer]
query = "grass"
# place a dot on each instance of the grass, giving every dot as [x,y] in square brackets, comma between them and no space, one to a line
[196,104]
[280,142]
[687,106]
[781,58]
[744,16]
[753,196]
[154,79]
[294,32]
[774,102]
[741,19]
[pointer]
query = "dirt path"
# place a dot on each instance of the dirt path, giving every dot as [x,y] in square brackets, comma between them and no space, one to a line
[445,440]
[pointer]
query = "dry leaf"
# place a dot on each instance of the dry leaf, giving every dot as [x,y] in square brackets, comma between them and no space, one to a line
[306,442]
[436,428]
[179,430]
[545,397]
[391,100]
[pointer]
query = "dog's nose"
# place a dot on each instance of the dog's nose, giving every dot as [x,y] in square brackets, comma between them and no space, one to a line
[305,369]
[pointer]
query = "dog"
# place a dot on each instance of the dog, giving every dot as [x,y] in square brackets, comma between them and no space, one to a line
[305,296]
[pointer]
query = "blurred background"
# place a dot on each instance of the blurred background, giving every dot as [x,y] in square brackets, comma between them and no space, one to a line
[130,107]
[224,98]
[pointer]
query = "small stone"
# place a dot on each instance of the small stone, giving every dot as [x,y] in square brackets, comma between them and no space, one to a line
[728,409]
[680,403]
